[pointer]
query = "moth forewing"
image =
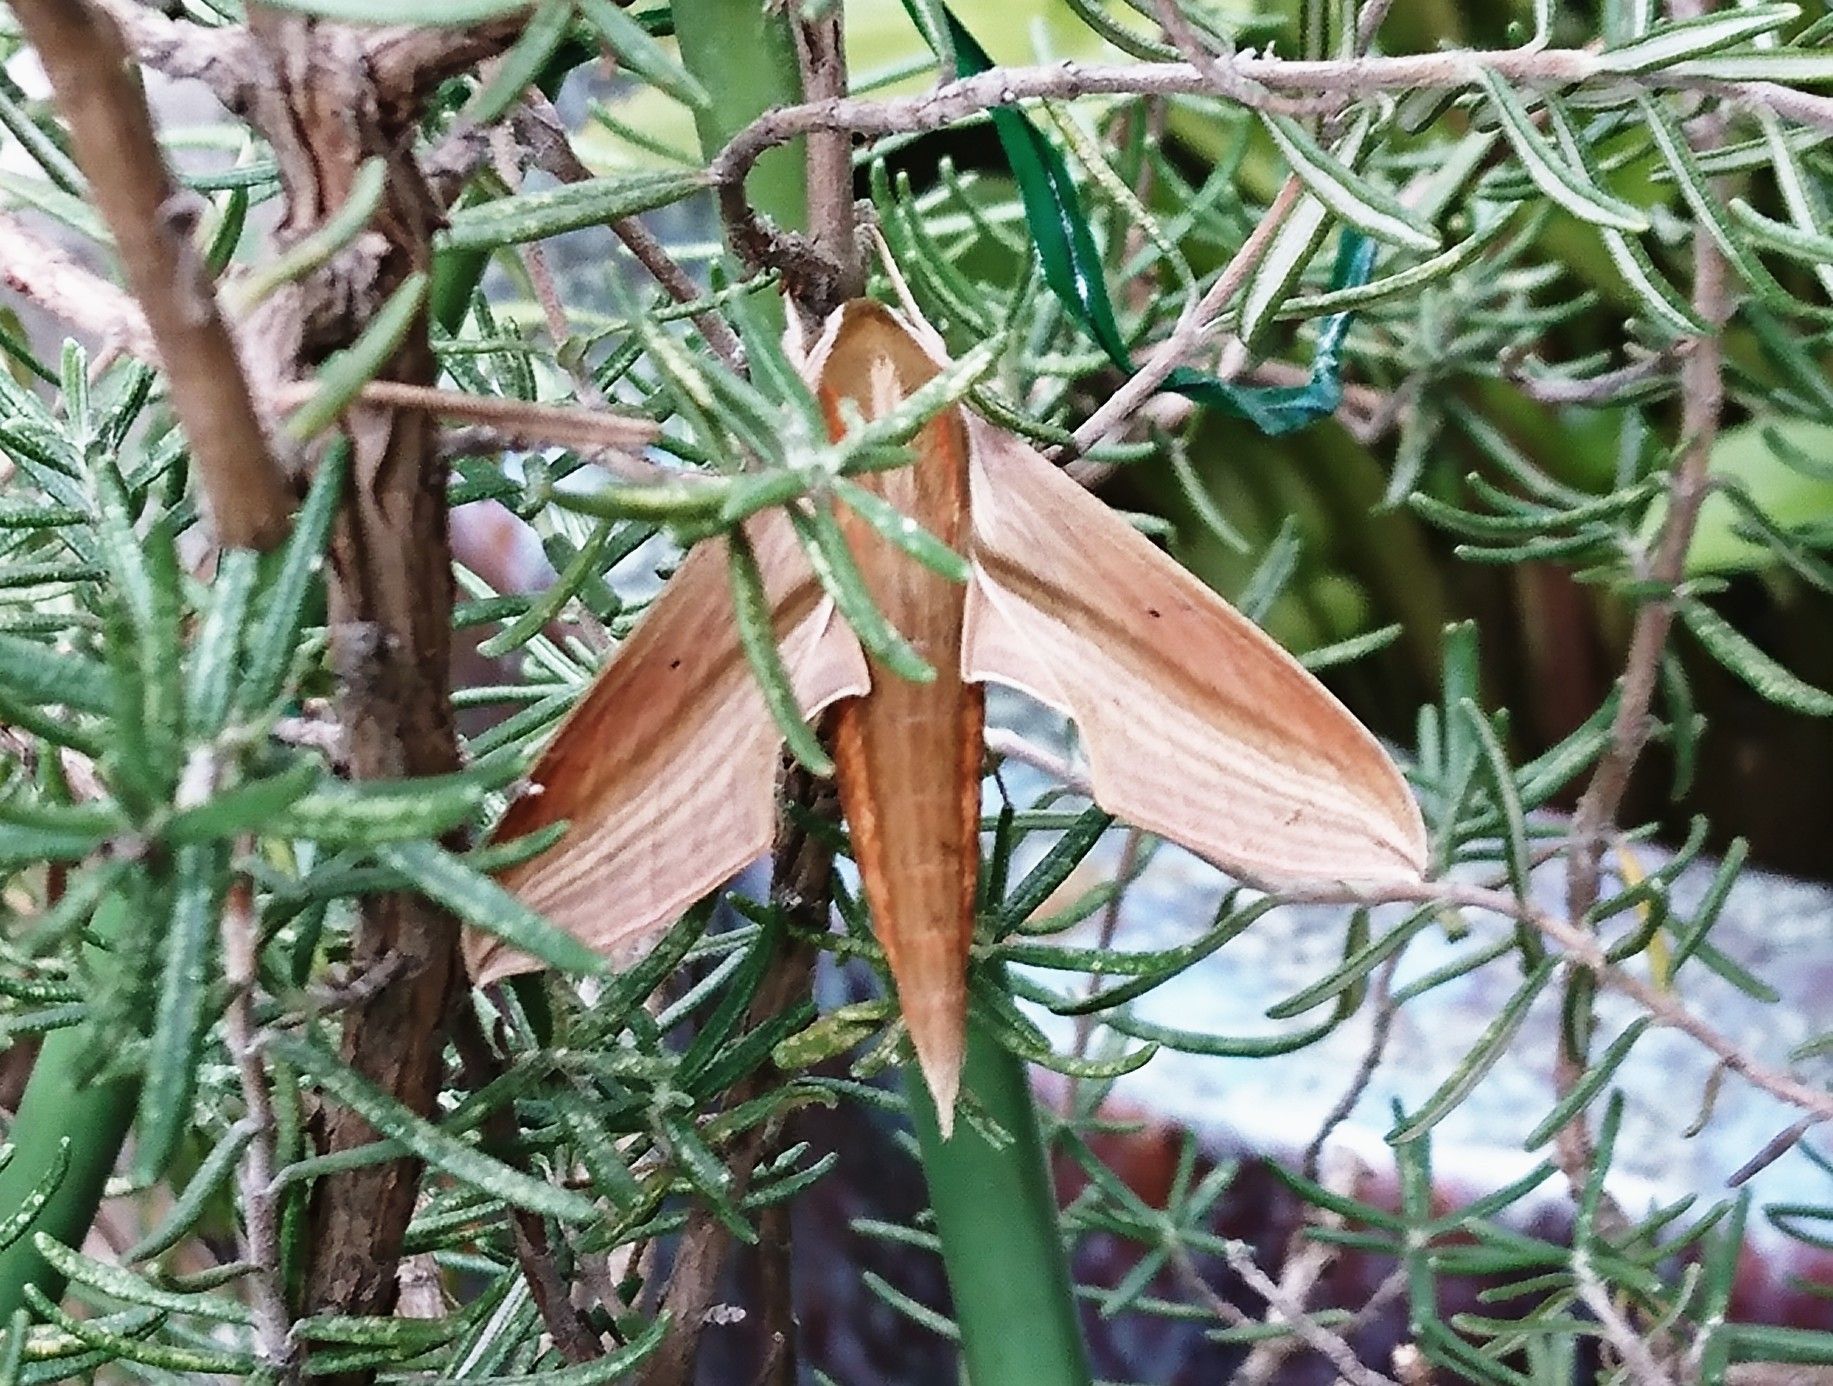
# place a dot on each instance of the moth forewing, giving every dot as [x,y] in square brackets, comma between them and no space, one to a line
[665,770]
[1198,727]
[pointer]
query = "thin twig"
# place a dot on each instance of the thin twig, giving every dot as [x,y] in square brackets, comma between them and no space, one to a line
[45,273]
[537,126]
[222,59]
[1583,950]
[1321,1340]
[1194,324]
[616,438]
[1307,1259]
[1638,1360]
[821,55]
[1702,403]
[541,278]
[1594,390]
[1343,79]
[98,90]
[255,1175]
[1368,23]
[776,1292]
[1229,85]
[1012,746]
[1381,1000]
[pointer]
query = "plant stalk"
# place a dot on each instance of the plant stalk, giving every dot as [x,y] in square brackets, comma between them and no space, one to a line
[996,1213]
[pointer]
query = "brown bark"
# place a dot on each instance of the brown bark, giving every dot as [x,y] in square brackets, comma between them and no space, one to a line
[391,592]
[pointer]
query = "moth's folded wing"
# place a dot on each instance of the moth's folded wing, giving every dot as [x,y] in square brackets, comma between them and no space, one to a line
[1198,727]
[666,769]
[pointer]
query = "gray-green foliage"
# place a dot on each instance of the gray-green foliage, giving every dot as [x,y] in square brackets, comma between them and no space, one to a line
[161,703]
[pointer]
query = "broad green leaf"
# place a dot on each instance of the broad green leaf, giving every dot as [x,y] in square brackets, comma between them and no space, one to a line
[1074,271]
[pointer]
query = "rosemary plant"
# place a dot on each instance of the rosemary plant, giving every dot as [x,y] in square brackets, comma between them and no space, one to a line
[1478,353]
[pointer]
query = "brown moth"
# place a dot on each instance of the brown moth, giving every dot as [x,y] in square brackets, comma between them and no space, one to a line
[1196,725]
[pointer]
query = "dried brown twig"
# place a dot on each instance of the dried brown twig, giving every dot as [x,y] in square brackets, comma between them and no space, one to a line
[98,90]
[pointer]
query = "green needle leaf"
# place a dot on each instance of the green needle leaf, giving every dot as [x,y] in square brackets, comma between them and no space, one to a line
[538,215]
[757,636]
[438,1148]
[1347,193]
[1566,184]
[642,54]
[1725,643]
[447,878]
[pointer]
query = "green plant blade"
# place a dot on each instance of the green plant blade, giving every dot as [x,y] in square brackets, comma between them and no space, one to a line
[1073,269]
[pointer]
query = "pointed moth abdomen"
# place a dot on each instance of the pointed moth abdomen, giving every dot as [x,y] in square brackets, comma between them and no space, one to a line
[909,755]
